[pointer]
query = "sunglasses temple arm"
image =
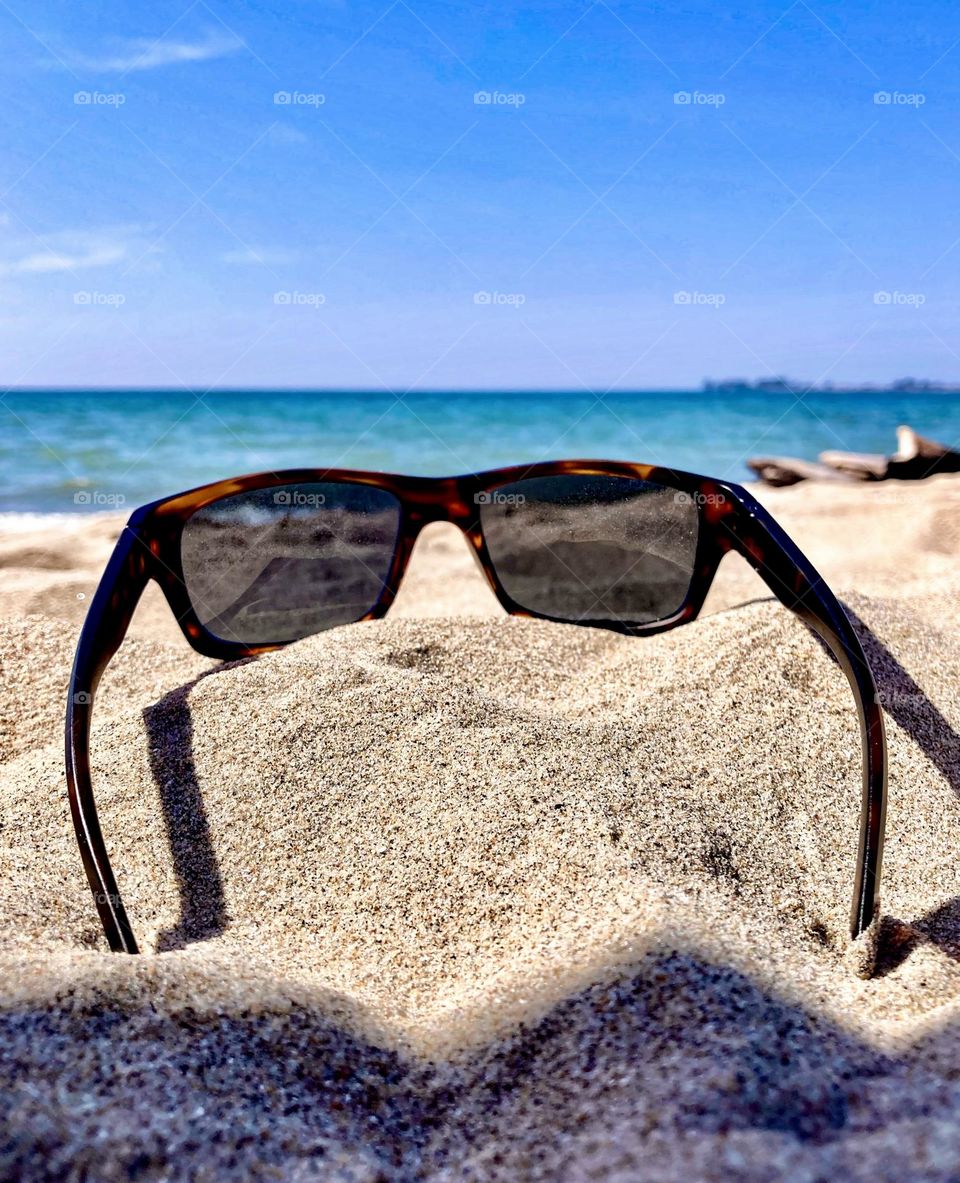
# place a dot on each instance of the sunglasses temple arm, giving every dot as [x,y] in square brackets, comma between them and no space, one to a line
[796,583]
[103,631]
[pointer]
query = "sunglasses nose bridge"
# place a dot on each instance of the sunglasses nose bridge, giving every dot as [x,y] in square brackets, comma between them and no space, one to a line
[439,500]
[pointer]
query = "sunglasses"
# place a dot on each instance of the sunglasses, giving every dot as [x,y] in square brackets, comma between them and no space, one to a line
[250,564]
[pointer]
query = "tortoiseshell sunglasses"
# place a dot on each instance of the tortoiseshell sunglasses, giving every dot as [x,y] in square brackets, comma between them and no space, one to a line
[251,564]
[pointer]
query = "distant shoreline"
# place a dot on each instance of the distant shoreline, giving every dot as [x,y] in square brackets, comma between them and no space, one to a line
[788,386]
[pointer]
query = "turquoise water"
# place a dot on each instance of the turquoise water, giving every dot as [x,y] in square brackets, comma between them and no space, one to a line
[78,451]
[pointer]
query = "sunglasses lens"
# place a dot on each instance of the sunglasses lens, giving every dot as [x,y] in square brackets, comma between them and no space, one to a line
[592,548]
[272,565]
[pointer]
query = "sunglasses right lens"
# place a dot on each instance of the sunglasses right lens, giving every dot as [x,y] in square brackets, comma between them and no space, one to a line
[592,549]
[273,565]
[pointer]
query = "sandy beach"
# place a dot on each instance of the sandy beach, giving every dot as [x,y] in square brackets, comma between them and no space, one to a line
[456,896]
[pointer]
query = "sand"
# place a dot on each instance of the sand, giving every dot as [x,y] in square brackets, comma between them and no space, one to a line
[460,896]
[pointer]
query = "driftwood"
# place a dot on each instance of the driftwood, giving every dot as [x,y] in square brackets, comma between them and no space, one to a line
[915,458]
[865,466]
[786,470]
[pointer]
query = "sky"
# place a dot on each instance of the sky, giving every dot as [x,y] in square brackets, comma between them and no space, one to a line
[412,194]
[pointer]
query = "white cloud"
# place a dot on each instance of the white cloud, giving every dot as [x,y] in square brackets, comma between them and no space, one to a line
[71,250]
[47,261]
[145,53]
[256,256]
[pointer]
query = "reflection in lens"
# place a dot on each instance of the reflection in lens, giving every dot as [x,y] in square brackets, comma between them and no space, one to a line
[592,548]
[272,565]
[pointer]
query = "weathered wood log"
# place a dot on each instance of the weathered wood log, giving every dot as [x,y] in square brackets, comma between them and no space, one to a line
[916,457]
[865,466]
[788,470]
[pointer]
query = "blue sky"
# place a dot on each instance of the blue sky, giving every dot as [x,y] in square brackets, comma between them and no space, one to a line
[317,195]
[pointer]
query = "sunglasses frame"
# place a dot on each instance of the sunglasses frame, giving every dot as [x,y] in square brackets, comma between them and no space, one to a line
[730,519]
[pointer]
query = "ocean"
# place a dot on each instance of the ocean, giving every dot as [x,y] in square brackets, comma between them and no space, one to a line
[95,450]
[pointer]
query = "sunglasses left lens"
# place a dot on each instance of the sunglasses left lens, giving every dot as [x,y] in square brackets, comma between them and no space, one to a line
[273,565]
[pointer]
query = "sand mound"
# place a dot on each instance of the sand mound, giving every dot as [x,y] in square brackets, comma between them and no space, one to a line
[437,792]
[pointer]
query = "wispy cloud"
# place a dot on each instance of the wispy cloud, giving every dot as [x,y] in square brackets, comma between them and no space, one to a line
[144,53]
[257,255]
[43,262]
[68,251]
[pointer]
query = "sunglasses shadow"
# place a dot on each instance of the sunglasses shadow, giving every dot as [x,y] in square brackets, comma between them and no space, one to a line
[203,910]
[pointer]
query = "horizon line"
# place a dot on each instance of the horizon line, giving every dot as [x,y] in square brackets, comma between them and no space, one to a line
[707,387]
